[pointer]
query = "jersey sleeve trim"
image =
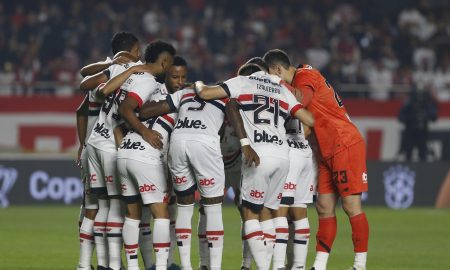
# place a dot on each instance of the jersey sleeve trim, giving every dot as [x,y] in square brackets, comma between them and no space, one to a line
[169,119]
[296,108]
[136,97]
[225,87]
[170,103]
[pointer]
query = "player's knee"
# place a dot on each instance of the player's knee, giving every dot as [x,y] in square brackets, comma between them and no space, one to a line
[134,211]
[185,199]
[352,206]
[210,201]
[250,209]
[90,213]
[325,209]
[159,210]
[298,213]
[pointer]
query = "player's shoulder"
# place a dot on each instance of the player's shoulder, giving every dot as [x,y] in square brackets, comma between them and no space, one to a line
[306,73]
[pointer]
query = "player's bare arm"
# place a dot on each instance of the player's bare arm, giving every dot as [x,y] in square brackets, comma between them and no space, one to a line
[82,119]
[235,118]
[120,58]
[126,110]
[114,83]
[306,130]
[305,117]
[91,82]
[209,92]
[153,109]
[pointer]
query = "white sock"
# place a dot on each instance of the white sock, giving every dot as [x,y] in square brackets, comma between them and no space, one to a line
[269,237]
[214,234]
[255,238]
[101,244]
[114,233]
[86,242]
[320,263]
[183,230]
[282,234]
[203,241]
[173,237]
[161,242]
[360,259]
[130,239]
[145,237]
[246,253]
[301,240]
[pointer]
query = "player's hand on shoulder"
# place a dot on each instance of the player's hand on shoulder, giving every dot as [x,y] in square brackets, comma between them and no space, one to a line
[153,138]
[140,68]
[250,156]
[121,60]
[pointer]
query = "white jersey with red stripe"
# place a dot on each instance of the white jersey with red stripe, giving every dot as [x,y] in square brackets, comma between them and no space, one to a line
[139,86]
[295,135]
[265,105]
[133,146]
[198,119]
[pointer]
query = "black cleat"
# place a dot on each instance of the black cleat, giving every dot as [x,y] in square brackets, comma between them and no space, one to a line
[203,267]
[244,268]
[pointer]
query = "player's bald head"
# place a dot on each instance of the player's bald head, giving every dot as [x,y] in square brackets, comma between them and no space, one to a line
[277,57]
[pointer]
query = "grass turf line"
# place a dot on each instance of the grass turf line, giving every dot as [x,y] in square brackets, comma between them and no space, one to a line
[46,237]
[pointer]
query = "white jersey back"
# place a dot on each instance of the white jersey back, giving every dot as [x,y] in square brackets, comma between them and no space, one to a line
[197,119]
[265,105]
[295,135]
[133,146]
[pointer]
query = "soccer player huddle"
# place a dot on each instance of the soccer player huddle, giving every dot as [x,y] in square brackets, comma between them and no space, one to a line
[278,135]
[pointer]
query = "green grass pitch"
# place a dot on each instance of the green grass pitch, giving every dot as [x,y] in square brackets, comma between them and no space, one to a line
[46,238]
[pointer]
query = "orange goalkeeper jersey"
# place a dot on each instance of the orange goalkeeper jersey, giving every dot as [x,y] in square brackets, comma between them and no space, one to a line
[333,128]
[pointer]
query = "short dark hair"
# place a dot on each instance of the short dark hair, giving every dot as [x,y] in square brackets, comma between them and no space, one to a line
[123,41]
[259,61]
[248,69]
[155,48]
[179,61]
[277,56]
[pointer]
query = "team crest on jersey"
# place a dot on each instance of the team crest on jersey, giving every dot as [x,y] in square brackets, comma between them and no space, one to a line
[8,177]
[399,186]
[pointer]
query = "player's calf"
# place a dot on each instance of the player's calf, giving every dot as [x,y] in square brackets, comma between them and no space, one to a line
[214,230]
[161,234]
[183,226]
[253,233]
[202,240]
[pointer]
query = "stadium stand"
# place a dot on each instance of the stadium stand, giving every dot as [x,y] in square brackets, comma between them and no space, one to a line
[44,43]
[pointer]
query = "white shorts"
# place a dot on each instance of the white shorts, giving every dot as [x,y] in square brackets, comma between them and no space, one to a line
[261,186]
[232,164]
[89,200]
[102,169]
[300,185]
[142,180]
[198,165]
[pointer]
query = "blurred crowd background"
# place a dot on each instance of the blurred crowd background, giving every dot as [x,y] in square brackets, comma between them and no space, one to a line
[366,48]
